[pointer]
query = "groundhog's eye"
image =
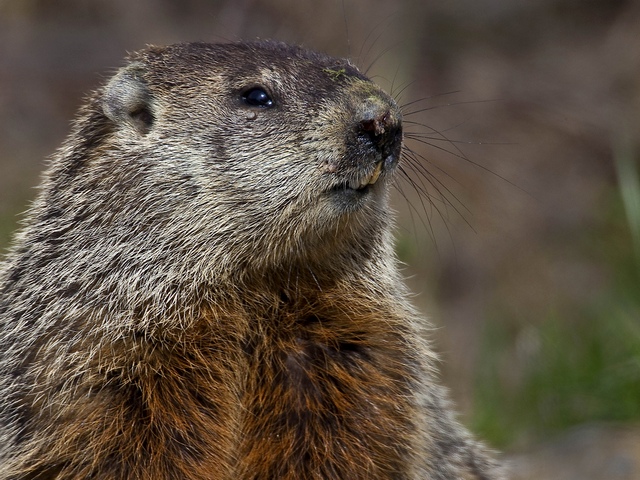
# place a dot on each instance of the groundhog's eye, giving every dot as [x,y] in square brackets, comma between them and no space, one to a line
[257,97]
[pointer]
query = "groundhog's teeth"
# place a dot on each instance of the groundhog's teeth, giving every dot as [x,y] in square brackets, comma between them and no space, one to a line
[368,180]
[376,174]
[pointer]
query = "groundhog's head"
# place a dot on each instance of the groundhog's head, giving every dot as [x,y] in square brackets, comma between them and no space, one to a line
[244,155]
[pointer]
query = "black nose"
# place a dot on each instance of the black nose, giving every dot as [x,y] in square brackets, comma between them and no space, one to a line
[383,131]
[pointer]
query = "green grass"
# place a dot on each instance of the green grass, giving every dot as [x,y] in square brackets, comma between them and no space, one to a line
[580,363]
[575,372]
[629,181]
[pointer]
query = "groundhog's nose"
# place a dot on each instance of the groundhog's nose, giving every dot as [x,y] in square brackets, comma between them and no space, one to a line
[381,127]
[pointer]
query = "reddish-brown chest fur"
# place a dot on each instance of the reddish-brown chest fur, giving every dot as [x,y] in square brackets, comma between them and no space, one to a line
[319,387]
[327,395]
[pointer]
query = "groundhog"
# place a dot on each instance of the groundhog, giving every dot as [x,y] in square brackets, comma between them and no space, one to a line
[206,286]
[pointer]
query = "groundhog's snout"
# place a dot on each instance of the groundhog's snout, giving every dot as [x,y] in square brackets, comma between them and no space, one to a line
[380,127]
[373,142]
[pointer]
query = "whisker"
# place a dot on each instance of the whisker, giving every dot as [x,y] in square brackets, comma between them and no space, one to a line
[424,136]
[436,183]
[388,21]
[430,97]
[452,104]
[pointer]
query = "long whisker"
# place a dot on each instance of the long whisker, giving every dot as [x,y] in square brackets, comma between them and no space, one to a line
[452,104]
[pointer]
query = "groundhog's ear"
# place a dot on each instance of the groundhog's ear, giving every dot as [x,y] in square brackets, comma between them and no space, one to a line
[127,100]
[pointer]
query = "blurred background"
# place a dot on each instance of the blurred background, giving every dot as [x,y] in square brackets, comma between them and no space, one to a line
[519,223]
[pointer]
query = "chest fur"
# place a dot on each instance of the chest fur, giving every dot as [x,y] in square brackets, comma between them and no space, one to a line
[329,397]
[277,397]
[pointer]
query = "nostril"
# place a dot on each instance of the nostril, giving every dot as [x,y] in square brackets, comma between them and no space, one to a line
[381,131]
[368,125]
[376,125]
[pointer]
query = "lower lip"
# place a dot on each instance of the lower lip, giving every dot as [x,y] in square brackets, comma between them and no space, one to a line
[346,190]
[349,199]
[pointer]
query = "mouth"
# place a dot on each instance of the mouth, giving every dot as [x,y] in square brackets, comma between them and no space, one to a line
[362,183]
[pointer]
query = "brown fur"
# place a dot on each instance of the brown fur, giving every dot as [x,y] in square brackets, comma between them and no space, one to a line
[202,293]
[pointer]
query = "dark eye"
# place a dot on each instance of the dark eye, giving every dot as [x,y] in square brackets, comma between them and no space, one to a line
[257,97]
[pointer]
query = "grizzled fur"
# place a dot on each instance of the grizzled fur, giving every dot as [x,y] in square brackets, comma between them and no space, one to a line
[203,289]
